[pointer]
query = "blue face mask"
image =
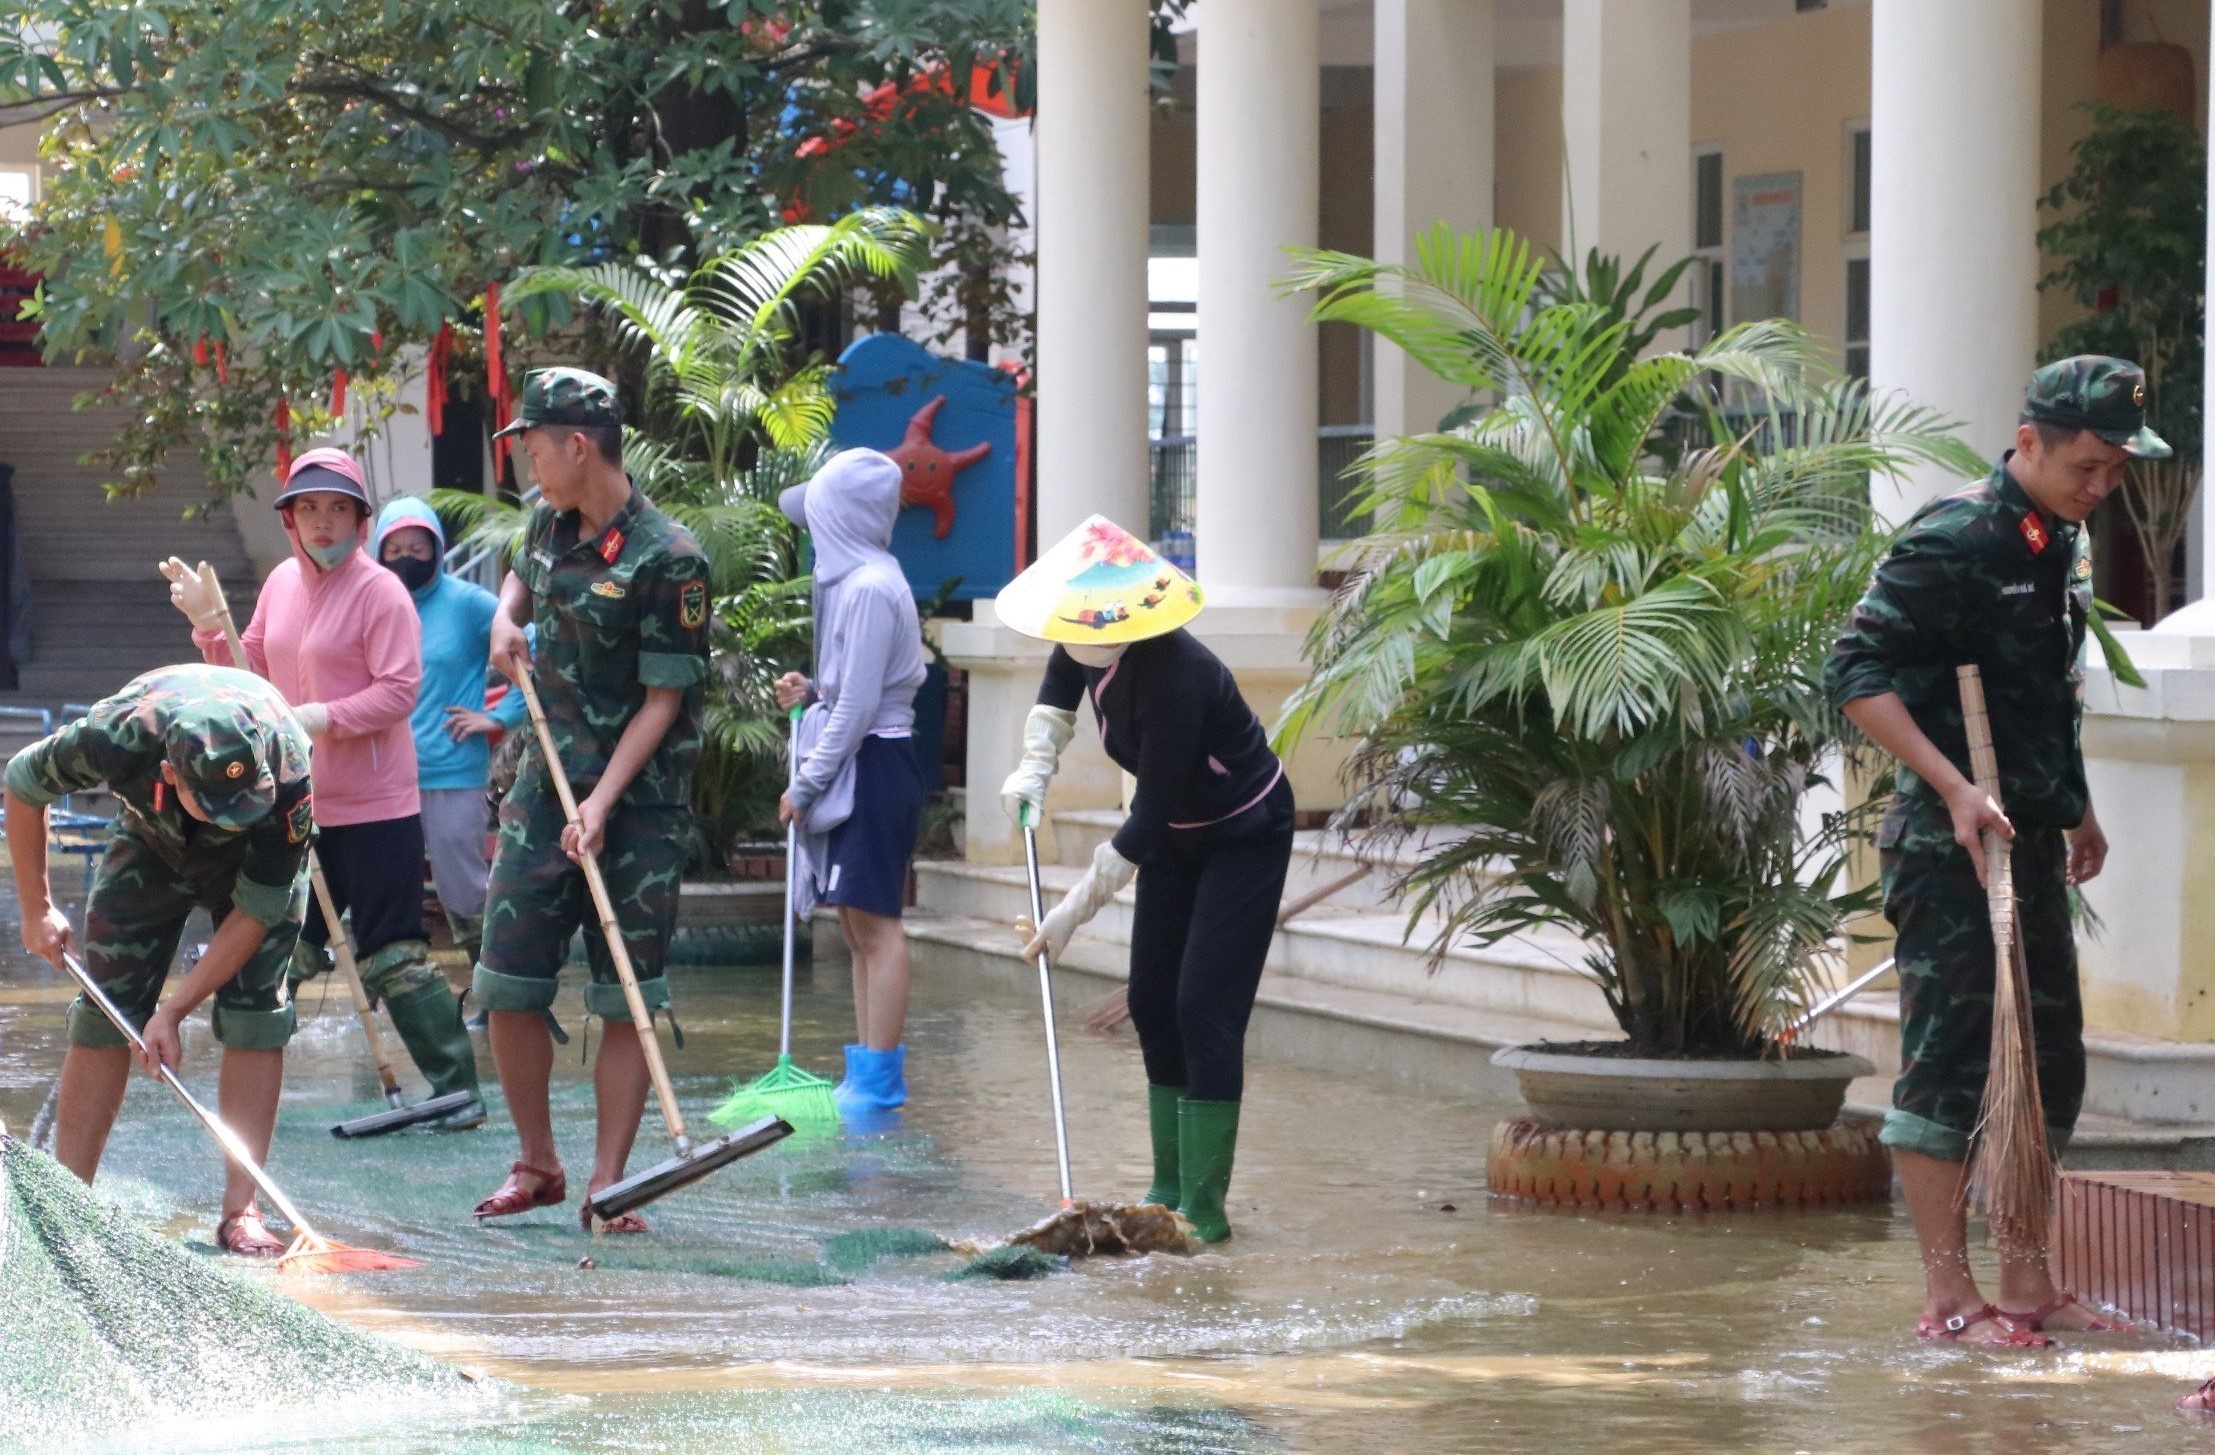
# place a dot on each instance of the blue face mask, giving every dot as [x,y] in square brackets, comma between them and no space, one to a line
[329,557]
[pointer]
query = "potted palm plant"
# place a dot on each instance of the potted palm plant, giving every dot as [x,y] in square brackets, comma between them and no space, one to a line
[1583,657]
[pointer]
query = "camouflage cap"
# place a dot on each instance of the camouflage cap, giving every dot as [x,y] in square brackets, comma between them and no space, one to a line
[2104,395]
[565,396]
[219,760]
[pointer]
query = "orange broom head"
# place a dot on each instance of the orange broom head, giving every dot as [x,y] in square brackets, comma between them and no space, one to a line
[311,1253]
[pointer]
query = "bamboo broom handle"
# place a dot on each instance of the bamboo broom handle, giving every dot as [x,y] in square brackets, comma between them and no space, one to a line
[1984,766]
[342,943]
[610,931]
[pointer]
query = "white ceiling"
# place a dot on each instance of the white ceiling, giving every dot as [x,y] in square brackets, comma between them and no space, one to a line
[1528,31]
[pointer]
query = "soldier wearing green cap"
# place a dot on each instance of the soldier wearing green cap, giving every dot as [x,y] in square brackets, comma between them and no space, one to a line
[211,772]
[1999,575]
[618,593]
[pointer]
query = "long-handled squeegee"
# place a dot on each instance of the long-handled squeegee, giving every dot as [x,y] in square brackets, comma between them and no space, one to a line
[691,1163]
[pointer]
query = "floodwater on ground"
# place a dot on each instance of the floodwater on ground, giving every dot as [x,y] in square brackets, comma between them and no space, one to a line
[1374,1299]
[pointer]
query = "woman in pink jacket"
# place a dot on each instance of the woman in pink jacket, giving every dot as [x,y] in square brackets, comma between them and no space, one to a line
[339,636]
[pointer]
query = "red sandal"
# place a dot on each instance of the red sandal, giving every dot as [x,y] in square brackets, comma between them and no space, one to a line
[627,1223]
[242,1233]
[2014,1335]
[2036,1318]
[553,1190]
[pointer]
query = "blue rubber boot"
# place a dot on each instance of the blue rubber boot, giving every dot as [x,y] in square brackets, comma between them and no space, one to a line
[876,1081]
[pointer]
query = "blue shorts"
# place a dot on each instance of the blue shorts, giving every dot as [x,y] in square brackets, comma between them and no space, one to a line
[867,866]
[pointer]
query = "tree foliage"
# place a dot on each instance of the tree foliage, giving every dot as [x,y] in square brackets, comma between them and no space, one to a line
[243,198]
[1586,666]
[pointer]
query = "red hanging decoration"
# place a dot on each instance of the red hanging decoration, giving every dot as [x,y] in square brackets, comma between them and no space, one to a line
[434,379]
[222,363]
[200,351]
[338,393]
[496,374]
[284,438]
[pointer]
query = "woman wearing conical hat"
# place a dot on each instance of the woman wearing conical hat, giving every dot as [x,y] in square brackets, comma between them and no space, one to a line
[1209,833]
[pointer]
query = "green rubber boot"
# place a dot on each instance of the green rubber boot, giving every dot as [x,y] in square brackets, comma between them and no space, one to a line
[428,1018]
[1207,1137]
[1161,1119]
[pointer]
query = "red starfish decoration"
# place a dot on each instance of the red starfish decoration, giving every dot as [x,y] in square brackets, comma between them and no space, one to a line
[927,472]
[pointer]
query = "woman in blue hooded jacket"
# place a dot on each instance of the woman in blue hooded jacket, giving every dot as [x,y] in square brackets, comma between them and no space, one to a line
[453,750]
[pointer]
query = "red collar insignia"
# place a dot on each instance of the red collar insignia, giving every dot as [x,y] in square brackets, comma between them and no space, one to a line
[611,546]
[2033,533]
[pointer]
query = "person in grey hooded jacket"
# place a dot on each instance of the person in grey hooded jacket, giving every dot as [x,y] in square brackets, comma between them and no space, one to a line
[856,788]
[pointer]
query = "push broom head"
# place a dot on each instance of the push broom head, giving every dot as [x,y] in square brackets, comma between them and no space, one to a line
[784,1092]
[313,1253]
[1087,1229]
[659,1181]
[405,1116]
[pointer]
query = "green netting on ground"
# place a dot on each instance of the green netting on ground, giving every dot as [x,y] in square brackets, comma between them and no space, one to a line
[103,1322]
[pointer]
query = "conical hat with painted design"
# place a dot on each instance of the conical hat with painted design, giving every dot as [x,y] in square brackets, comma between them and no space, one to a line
[1099,585]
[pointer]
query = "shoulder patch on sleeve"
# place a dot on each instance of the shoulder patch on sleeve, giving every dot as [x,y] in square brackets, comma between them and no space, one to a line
[692,605]
[300,823]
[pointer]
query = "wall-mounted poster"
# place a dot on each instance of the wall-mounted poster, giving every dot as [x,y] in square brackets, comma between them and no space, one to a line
[1765,247]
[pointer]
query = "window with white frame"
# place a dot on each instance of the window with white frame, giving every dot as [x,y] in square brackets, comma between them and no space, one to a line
[1707,242]
[1855,339]
[18,190]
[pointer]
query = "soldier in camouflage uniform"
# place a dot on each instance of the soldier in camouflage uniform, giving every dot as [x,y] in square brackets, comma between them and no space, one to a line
[211,772]
[1999,575]
[618,593]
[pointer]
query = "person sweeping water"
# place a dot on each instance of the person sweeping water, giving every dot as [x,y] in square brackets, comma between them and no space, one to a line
[619,594]
[1208,835]
[211,772]
[1997,576]
[856,791]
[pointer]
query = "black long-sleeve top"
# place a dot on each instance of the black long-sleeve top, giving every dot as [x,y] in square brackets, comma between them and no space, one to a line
[1170,713]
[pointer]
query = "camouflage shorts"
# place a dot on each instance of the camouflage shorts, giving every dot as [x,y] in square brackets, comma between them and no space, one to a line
[537,899]
[1945,966]
[133,920]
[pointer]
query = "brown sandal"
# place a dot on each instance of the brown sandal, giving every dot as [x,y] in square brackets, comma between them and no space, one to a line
[2036,1319]
[242,1233]
[553,1190]
[2200,1401]
[627,1223]
[2013,1335]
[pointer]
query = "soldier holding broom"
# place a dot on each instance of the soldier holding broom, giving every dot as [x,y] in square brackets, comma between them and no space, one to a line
[1999,576]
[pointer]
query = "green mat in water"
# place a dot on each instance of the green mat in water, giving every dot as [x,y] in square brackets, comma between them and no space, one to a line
[104,1323]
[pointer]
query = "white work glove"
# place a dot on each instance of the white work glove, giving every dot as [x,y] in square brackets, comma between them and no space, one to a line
[314,717]
[1045,733]
[1110,871]
[195,593]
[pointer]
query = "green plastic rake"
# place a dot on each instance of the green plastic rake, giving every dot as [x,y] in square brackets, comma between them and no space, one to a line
[785,1090]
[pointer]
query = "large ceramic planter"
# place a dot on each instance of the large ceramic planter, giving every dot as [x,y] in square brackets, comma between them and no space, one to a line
[1685,1136]
[1623,1094]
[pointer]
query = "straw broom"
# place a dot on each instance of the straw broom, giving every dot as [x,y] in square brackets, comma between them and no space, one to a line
[2012,1163]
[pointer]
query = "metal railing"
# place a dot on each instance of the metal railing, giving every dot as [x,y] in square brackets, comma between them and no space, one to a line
[483,565]
[1174,484]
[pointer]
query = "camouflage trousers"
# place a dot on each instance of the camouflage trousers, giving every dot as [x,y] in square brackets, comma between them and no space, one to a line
[1932,897]
[537,899]
[133,920]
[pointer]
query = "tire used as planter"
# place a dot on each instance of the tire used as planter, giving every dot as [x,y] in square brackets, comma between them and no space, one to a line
[1688,1171]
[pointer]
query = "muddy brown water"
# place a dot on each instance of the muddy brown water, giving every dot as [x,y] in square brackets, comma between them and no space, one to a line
[1375,1298]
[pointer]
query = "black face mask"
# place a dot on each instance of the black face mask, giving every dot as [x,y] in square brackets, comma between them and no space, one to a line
[414,571]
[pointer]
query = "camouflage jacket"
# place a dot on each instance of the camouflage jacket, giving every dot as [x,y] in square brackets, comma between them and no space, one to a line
[616,616]
[123,742]
[1979,576]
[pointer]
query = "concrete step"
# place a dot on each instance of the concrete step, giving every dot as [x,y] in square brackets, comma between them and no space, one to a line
[1319,858]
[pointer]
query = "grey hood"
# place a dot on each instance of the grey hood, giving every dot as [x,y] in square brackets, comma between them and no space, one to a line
[847,510]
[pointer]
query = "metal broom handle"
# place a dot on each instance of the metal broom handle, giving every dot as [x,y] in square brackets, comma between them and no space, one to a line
[791,863]
[1046,1001]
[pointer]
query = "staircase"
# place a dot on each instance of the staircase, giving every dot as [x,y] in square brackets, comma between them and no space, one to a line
[100,612]
[1351,985]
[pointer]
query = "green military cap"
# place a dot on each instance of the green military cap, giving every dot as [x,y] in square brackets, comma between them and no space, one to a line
[2104,395]
[565,396]
[218,759]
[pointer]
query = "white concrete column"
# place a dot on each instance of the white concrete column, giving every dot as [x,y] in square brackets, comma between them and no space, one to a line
[1433,163]
[1260,118]
[1954,110]
[1093,134]
[1626,119]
